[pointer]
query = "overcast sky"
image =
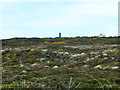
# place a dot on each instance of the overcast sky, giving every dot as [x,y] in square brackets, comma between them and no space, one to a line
[47,19]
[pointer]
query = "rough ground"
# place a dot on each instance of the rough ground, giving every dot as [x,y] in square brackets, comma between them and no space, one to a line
[75,64]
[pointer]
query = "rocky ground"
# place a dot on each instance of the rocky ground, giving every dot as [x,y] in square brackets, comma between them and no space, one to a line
[61,66]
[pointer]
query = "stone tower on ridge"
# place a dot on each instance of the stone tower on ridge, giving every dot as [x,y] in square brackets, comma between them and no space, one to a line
[59,35]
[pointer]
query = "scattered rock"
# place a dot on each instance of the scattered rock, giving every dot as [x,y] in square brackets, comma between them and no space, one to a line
[55,67]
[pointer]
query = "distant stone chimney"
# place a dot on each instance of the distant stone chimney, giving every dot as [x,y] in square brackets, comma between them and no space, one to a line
[59,35]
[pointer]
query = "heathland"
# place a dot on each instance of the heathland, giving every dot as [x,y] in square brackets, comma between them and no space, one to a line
[79,62]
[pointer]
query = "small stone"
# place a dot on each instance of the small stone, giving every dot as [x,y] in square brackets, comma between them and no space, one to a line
[44,50]
[113,58]
[104,54]
[86,66]
[21,65]
[48,62]
[98,66]
[42,59]
[82,54]
[114,67]
[55,67]
[24,71]
[66,52]
[34,64]
[105,58]
[96,56]
[32,49]
[46,66]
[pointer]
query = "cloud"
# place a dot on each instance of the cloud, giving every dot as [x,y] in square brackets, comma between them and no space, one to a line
[76,15]
[65,21]
[97,7]
[86,1]
[88,14]
[0,17]
[111,31]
